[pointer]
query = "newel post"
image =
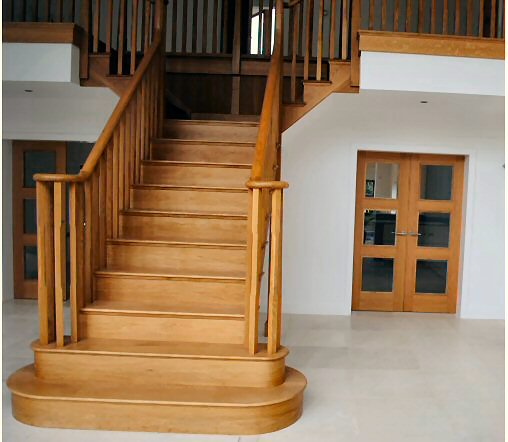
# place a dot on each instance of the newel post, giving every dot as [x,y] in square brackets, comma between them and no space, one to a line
[45,263]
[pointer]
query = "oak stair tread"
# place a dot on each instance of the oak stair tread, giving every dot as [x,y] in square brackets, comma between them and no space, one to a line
[163,243]
[24,383]
[163,163]
[202,142]
[215,277]
[140,307]
[211,122]
[129,347]
[190,188]
[177,214]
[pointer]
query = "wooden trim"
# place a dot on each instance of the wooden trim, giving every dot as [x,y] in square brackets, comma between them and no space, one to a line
[449,45]
[69,33]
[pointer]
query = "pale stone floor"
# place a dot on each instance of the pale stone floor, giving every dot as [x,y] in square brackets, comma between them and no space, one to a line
[372,377]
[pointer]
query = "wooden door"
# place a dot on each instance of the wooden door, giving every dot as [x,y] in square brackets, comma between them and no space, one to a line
[29,158]
[407,232]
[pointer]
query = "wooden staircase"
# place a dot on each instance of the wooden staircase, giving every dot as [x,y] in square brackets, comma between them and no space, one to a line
[162,343]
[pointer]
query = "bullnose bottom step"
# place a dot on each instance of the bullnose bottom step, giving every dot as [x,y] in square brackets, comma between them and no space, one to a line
[177,408]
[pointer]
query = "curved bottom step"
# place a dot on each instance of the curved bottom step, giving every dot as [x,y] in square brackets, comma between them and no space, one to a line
[175,409]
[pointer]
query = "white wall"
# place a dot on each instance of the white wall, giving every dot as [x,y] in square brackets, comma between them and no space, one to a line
[431,73]
[319,162]
[7,269]
[55,111]
[55,62]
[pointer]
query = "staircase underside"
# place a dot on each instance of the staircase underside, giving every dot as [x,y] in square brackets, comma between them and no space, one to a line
[162,334]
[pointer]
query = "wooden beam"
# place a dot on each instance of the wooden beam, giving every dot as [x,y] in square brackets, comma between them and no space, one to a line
[410,43]
[41,33]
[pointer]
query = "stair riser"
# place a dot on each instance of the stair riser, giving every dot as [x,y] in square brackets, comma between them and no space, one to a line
[190,200]
[164,258]
[174,291]
[203,419]
[195,176]
[223,153]
[183,229]
[212,132]
[158,328]
[158,371]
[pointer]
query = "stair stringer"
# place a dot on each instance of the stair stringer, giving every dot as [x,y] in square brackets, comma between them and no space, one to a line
[314,92]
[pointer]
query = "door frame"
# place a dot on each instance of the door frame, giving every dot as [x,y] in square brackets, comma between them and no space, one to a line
[27,289]
[403,278]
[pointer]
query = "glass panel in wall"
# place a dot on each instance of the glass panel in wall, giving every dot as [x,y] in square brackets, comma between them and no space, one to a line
[431,276]
[434,229]
[37,161]
[381,180]
[29,216]
[379,227]
[436,182]
[377,274]
[30,262]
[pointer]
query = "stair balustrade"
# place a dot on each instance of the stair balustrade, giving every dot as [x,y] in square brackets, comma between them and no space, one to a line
[96,195]
[265,205]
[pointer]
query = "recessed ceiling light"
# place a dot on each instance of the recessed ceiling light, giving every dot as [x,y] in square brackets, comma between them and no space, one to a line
[28,90]
[423,102]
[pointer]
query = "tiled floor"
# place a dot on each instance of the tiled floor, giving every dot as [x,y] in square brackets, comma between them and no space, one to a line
[373,377]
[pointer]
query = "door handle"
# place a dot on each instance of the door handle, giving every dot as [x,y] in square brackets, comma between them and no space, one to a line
[400,233]
[414,234]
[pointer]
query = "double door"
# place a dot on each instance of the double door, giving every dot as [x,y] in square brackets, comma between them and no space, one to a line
[407,232]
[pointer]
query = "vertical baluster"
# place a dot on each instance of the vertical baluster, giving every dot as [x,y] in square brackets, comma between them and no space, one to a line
[261,25]
[35,10]
[121,36]
[134,35]
[300,26]
[109,26]
[76,256]
[45,263]
[469,28]
[225,8]
[333,33]
[60,229]
[445,17]
[433,17]
[109,190]
[345,28]
[139,134]
[194,25]
[115,185]
[146,12]
[355,53]
[96,24]
[308,38]
[185,7]
[47,8]
[492,18]
[143,125]
[481,18]
[10,10]
[319,60]
[383,14]
[59,11]
[174,25]
[127,157]
[249,26]
[421,16]
[409,14]
[204,28]
[457,17]
[275,294]
[94,228]
[296,16]
[371,13]
[215,25]
[267,46]
[253,282]
[396,15]
[103,234]
[121,164]
[73,11]
[87,273]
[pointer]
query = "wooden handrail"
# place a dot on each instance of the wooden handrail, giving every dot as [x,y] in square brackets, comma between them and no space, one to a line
[107,132]
[265,195]
[97,195]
